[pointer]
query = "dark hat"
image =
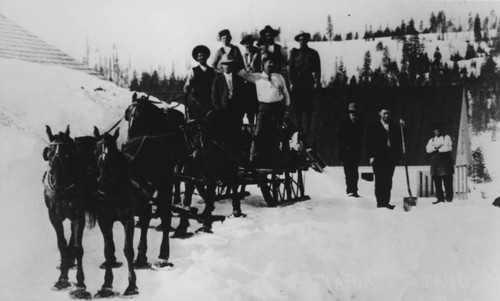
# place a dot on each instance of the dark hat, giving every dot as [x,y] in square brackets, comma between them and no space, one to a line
[268,28]
[248,39]
[303,36]
[224,32]
[261,41]
[226,59]
[353,107]
[198,49]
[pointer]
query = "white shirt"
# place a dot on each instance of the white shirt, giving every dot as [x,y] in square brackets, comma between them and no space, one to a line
[268,91]
[441,144]
[229,81]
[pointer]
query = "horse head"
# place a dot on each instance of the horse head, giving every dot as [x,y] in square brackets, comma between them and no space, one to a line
[111,167]
[62,156]
[145,118]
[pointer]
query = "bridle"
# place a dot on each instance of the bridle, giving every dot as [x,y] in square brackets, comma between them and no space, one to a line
[51,178]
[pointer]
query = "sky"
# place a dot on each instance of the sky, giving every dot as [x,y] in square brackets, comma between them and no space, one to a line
[155,33]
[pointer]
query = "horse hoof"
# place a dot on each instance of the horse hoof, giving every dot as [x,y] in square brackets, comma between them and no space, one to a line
[61,285]
[141,265]
[80,293]
[113,265]
[183,235]
[106,293]
[130,291]
[162,264]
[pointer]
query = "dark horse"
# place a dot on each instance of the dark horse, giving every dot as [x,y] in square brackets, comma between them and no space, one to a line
[69,185]
[115,202]
[154,147]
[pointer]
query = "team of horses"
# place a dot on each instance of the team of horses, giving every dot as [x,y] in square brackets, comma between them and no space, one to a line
[90,179]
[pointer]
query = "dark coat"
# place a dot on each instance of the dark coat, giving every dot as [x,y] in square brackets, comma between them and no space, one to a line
[349,136]
[303,63]
[220,94]
[377,143]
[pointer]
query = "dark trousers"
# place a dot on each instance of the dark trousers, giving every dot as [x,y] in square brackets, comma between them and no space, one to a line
[447,181]
[383,181]
[265,145]
[302,108]
[351,174]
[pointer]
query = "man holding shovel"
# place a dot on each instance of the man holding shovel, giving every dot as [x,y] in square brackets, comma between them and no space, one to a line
[384,149]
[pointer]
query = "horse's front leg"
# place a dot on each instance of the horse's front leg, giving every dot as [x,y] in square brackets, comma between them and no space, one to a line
[128,250]
[208,195]
[165,207]
[144,219]
[77,228]
[106,227]
[62,245]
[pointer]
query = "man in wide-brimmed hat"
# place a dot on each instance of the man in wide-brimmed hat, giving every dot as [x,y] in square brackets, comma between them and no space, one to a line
[442,166]
[228,49]
[349,135]
[304,74]
[268,35]
[199,84]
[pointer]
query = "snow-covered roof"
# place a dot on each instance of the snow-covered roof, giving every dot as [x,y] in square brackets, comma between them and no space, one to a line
[18,43]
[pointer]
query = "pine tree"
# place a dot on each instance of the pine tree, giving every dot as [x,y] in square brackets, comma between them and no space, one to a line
[329,28]
[366,71]
[477,169]
[477,29]
[134,84]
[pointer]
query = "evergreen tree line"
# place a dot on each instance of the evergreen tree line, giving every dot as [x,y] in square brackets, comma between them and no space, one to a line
[438,23]
[163,88]
[417,69]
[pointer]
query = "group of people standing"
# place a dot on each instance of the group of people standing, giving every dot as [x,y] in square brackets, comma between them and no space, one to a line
[254,83]
[384,149]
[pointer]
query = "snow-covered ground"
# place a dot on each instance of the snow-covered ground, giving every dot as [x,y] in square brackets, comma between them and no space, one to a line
[328,248]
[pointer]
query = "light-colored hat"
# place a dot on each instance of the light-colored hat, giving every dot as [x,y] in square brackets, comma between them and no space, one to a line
[353,107]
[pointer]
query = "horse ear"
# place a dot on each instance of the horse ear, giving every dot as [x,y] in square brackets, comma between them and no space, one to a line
[67,131]
[49,133]
[134,97]
[96,132]
[117,133]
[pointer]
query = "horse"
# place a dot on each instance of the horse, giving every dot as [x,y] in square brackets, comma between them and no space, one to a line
[154,146]
[115,202]
[68,194]
[212,160]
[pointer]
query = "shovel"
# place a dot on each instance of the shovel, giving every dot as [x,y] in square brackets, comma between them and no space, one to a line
[410,201]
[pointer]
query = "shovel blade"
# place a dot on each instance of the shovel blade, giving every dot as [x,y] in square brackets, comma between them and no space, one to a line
[409,202]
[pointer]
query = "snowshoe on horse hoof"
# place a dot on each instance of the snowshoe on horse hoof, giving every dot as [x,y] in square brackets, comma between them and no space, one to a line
[162,264]
[205,229]
[131,291]
[106,293]
[80,293]
[237,214]
[182,235]
[62,285]
[113,265]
